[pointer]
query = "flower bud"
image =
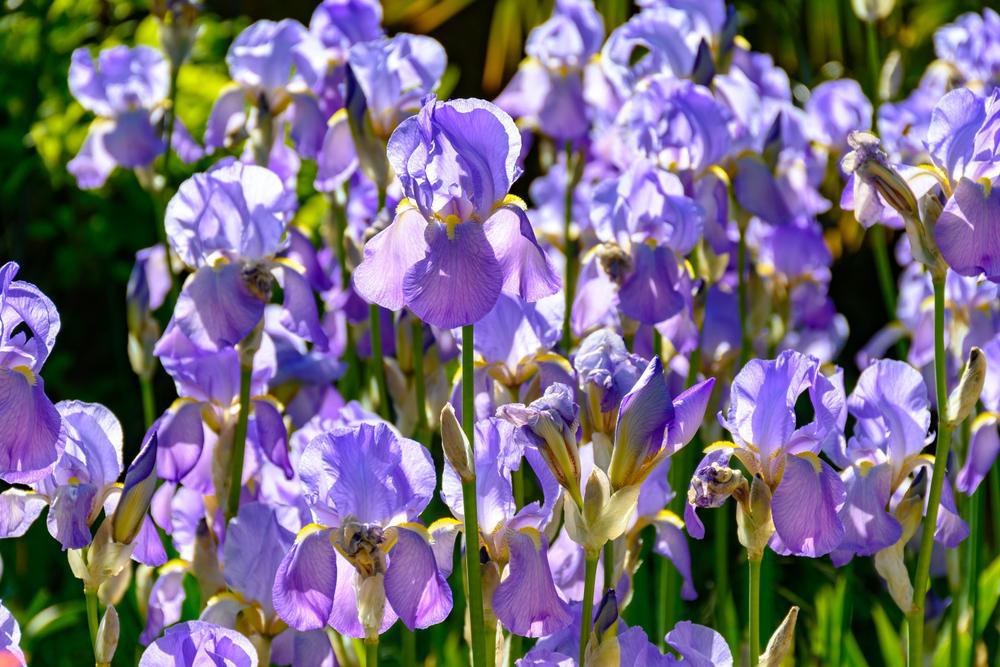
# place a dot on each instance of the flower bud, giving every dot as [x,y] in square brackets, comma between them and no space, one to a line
[712,485]
[870,164]
[964,397]
[140,483]
[107,638]
[781,641]
[871,11]
[456,444]
[753,520]
[552,423]
[890,562]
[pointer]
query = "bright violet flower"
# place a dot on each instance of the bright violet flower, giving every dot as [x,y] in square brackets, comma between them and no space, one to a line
[126,88]
[197,643]
[547,92]
[606,372]
[892,409]
[836,108]
[806,493]
[388,81]
[526,600]
[970,45]
[366,562]
[31,435]
[10,640]
[457,242]
[228,224]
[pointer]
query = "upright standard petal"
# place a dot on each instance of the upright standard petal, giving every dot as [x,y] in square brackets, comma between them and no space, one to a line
[968,230]
[642,421]
[199,643]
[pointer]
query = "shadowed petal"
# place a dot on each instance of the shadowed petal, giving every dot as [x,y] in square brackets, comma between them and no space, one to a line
[414,586]
[527,271]
[68,519]
[527,602]
[216,309]
[30,427]
[305,580]
[255,547]
[868,527]
[648,293]
[18,510]
[805,506]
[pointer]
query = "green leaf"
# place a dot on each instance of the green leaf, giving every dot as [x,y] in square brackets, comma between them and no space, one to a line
[888,638]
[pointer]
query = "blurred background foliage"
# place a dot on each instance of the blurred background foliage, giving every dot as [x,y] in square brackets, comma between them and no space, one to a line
[78,246]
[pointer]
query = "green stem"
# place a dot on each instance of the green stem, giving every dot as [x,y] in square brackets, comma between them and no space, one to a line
[915,619]
[92,621]
[754,638]
[657,343]
[972,571]
[874,62]
[995,506]
[724,606]
[371,653]
[569,250]
[338,243]
[378,365]
[419,389]
[175,70]
[885,280]
[587,616]
[148,401]
[239,442]
[469,505]
[741,265]
[667,586]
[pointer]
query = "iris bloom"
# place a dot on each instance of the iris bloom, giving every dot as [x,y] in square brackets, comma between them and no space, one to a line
[31,438]
[127,89]
[198,642]
[457,241]
[892,409]
[365,562]
[806,493]
[547,90]
[10,640]
[228,225]
[518,581]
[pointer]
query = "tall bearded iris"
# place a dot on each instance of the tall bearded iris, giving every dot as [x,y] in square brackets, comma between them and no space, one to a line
[126,88]
[228,225]
[806,494]
[457,241]
[31,437]
[365,562]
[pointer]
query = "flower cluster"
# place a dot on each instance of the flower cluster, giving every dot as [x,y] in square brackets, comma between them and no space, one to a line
[439,364]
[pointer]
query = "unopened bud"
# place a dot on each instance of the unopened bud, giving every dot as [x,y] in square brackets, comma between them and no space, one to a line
[753,520]
[781,641]
[596,495]
[964,397]
[871,11]
[456,444]
[140,483]
[107,638]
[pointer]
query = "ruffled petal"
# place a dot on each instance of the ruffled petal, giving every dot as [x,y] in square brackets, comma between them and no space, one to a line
[700,646]
[18,510]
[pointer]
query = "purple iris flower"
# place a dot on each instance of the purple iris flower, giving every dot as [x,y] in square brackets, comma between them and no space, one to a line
[32,437]
[807,494]
[366,562]
[126,88]
[526,600]
[321,56]
[198,642]
[81,480]
[970,45]
[389,79]
[963,141]
[547,92]
[892,412]
[228,224]
[10,640]
[606,372]
[836,108]
[457,242]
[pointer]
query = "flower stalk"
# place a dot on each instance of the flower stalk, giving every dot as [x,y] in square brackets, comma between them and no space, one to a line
[378,365]
[240,441]
[754,637]
[469,505]
[587,615]
[915,618]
